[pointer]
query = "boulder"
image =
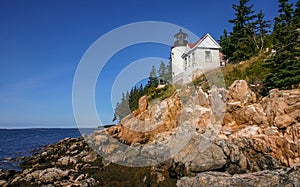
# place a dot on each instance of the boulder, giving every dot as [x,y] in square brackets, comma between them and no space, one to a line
[52,174]
[143,104]
[91,157]
[66,161]
[240,91]
[3,183]
[196,158]
[144,124]
[262,178]
[283,121]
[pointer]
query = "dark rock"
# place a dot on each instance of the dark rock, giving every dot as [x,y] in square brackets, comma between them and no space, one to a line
[1,174]
[282,177]
[9,174]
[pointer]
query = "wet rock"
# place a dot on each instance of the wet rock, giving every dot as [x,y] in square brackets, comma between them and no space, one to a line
[1,174]
[281,177]
[9,174]
[17,180]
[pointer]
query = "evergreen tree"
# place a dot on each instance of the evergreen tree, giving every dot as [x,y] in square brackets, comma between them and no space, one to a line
[296,18]
[244,16]
[162,71]
[169,72]
[242,30]
[122,109]
[153,81]
[129,101]
[285,16]
[239,44]
[227,45]
[261,28]
[285,64]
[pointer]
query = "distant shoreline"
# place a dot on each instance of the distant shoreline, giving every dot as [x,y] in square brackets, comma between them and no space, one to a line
[65,128]
[46,128]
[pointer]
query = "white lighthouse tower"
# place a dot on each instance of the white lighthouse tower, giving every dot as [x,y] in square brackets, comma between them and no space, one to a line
[180,43]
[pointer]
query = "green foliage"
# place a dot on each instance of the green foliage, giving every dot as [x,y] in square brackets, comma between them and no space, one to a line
[249,38]
[165,92]
[236,74]
[134,96]
[122,109]
[248,35]
[168,76]
[153,80]
[285,64]
[162,71]
[261,29]
[129,101]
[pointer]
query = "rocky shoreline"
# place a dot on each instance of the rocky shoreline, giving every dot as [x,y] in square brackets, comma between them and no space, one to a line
[255,143]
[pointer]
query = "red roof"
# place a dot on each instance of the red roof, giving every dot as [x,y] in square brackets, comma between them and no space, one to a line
[191,45]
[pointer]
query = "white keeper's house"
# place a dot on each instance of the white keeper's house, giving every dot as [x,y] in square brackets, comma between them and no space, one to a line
[190,60]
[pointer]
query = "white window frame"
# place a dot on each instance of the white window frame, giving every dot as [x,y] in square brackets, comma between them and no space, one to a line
[208,56]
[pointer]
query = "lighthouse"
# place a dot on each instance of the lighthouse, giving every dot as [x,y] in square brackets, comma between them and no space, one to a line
[178,48]
[190,60]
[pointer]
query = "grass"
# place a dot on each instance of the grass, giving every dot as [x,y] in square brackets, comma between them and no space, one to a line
[162,93]
[252,70]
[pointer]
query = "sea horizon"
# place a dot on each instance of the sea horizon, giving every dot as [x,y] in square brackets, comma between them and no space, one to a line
[23,142]
[11,126]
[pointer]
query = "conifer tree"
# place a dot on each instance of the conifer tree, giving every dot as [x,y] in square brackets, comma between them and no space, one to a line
[239,44]
[153,81]
[261,27]
[242,29]
[285,64]
[162,71]
[227,45]
[296,18]
[122,109]
[169,72]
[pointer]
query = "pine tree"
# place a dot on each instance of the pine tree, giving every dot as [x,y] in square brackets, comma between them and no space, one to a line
[239,44]
[261,28]
[285,64]
[122,109]
[162,71]
[244,16]
[169,72]
[242,29]
[296,19]
[153,81]
[227,45]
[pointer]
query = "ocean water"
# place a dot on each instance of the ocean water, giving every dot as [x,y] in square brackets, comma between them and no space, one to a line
[15,143]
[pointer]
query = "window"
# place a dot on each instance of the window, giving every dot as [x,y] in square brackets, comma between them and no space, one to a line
[208,57]
[193,59]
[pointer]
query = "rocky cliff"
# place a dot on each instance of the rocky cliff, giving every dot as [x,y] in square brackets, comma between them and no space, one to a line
[221,138]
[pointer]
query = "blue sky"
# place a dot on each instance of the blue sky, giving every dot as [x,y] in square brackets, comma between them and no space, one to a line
[42,42]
